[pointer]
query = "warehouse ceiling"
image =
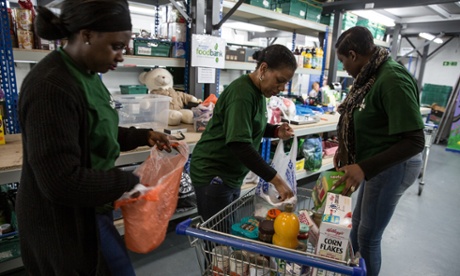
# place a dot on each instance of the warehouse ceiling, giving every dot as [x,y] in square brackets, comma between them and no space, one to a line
[415,16]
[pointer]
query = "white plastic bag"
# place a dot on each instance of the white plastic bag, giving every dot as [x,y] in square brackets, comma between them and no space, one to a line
[266,195]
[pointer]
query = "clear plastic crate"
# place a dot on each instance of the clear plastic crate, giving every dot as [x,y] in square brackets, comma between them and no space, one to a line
[143,111]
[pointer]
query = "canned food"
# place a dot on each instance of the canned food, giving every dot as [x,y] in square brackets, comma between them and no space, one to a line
[259,266]
[220,263]
[239,261]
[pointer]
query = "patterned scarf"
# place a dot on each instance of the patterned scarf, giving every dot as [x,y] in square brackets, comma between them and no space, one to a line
[361,86]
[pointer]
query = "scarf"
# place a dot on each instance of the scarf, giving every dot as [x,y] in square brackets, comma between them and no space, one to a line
[355,98]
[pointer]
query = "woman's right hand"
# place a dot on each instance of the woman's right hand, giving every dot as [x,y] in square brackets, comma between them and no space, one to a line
[282,187]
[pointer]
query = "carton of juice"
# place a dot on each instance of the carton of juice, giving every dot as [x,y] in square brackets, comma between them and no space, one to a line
[334,231]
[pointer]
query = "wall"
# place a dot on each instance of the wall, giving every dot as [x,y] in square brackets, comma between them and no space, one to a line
[435,72]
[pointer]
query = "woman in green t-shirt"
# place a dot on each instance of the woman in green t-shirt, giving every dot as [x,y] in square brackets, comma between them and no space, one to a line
[228,148]
[380,135]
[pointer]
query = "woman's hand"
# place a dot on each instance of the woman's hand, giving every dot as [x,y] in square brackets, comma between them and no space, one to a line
[282,187]
[285,131]
[160,140]
[353,177]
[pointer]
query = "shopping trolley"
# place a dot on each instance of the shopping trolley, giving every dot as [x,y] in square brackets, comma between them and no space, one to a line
[221,253]
[430,131]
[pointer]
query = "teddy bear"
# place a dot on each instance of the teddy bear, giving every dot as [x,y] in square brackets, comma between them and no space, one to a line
[159,81]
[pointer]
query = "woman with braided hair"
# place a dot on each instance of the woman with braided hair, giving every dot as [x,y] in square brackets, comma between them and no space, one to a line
[71,141]
[381,138]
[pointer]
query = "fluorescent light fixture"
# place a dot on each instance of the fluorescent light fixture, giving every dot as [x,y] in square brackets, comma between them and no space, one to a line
[375,17]
[245,27]
[140,10]
[430,37]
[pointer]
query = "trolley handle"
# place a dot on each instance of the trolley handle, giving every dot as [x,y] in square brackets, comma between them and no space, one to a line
[184,228]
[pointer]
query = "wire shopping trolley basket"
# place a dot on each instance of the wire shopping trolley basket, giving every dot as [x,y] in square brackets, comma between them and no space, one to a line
[221,253]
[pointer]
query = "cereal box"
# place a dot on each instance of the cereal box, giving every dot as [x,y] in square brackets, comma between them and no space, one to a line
[324,184]
[334,231]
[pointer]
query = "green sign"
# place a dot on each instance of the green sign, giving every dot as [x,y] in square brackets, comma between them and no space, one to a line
[449,63]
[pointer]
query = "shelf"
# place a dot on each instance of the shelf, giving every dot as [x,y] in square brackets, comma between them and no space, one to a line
[271,19]
[381,43]
[34,56]
[328,164]
[250,66]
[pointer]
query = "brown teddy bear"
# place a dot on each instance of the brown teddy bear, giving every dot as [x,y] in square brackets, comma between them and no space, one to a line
[160,81]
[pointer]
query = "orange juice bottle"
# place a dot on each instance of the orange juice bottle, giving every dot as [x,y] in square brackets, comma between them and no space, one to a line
[286,228]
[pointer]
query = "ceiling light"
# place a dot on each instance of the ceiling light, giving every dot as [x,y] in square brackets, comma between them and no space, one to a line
[431,37]
[141,10]
[245,27]
[375,17]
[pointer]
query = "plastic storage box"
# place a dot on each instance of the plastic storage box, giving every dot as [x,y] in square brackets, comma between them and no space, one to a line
[143,111]
[133,89]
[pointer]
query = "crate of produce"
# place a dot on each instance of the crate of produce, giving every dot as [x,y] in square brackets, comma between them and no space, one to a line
[294,7]
[314,10]
[380,32]
[433,93]
[371,26]
[133,89]
[266,4]
[151,47]
[143,111]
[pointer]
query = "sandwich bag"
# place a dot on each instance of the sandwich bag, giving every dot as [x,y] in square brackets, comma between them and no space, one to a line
[266,196]
[148,209]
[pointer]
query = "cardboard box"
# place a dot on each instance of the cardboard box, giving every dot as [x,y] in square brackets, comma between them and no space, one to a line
[334,231]
[324,184]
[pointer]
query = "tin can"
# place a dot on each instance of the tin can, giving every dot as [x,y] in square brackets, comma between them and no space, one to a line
[259,266]
[220,262]
[239,261]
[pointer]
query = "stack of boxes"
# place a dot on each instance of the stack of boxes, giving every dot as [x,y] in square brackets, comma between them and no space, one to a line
[305,9]
[24,28]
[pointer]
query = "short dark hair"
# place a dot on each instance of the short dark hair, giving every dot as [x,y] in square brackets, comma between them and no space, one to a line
[276,56]
[358,39]
[76,15]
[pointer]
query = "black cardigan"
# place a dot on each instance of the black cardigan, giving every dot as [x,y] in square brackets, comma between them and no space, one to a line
[58,190]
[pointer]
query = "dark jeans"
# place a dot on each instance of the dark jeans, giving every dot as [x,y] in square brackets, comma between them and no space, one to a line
[113,247]
[212,198]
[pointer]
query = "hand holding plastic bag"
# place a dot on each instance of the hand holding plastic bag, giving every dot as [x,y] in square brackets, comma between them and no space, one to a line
[146,217]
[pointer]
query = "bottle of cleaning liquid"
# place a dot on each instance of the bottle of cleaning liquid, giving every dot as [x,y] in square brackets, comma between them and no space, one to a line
[319,57]
[286,228]
[307,59]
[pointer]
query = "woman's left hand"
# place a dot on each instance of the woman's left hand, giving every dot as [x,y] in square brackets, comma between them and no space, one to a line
[353,177]
[160,140]
[285,131]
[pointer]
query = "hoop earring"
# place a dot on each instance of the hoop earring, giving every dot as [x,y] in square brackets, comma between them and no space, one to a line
[261,78]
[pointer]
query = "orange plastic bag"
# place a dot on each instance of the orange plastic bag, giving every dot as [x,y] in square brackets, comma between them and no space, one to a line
[146,217]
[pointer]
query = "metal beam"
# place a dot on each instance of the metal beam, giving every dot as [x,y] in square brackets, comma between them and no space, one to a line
[423,45]
[426,48]
[333,61]
[413,46]
[440,11]
[447,27]
[440,47]
[349,5]
[396,42]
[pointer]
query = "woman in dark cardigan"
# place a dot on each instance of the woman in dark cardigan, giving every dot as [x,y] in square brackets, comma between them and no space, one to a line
[71,140]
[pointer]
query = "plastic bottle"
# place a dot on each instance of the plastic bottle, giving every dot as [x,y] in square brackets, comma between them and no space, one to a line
[307,59]
[287,227]
[319,57]
[314,58]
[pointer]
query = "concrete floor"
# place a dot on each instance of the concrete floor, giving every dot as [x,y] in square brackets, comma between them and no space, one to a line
[422,238]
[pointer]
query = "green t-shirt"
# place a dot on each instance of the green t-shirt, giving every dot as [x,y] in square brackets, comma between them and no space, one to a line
[240,115]
[391,107]
[102,117]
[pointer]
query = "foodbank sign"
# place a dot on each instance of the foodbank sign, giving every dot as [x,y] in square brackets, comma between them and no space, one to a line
[208,51]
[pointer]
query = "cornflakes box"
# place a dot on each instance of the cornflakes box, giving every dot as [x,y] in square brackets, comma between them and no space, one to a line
[334,231]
